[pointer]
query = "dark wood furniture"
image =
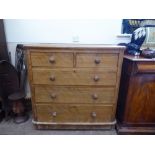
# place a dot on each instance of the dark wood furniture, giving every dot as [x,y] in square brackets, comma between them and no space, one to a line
[12,95]
[9,83]
[3,46]
[74,86]
[3,56]
[136,101]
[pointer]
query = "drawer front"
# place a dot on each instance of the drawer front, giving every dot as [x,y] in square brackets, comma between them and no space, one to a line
[97,60]
[146,67]
[73,113]
[73,77]
[52,59]
[74,95]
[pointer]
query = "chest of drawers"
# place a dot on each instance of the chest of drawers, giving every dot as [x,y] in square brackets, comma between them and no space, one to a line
[74,86]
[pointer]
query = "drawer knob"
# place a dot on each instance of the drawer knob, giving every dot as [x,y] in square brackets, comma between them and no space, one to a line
[97,60]
[95,96]
[53,96]
[52,59]
[93,114]
[96,78]
[54,114]
[52,78]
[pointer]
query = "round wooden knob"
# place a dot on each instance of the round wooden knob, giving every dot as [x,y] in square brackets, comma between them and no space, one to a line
[54,114]
[93,114]
[52,78]
[95,96]
[96,78]
[97,60]
[52,59]
[53,96]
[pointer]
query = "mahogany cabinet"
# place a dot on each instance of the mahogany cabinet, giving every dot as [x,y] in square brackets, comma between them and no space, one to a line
[136,100]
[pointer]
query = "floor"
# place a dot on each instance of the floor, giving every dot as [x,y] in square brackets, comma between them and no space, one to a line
[27,128]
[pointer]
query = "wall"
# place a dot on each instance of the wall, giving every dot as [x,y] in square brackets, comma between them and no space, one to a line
[62,31]
[47,31]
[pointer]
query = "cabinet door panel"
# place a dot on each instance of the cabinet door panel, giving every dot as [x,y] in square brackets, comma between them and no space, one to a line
[141,99]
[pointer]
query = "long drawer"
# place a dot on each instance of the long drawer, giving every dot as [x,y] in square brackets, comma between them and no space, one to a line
[52,59]
[74,95]
[74,77]
[73,113]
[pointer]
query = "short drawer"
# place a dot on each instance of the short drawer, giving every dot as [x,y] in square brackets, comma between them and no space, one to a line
[73,77]
[51,59]
[97,60]
[74,95]
[73,113]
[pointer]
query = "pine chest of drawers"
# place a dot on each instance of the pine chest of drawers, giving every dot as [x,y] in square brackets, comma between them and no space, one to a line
[74,86]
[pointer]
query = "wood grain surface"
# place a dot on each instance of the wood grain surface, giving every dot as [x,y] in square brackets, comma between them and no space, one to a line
[74,85]
[74,95]
[73,113]
[52,59]
[136,103]
[73,77]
